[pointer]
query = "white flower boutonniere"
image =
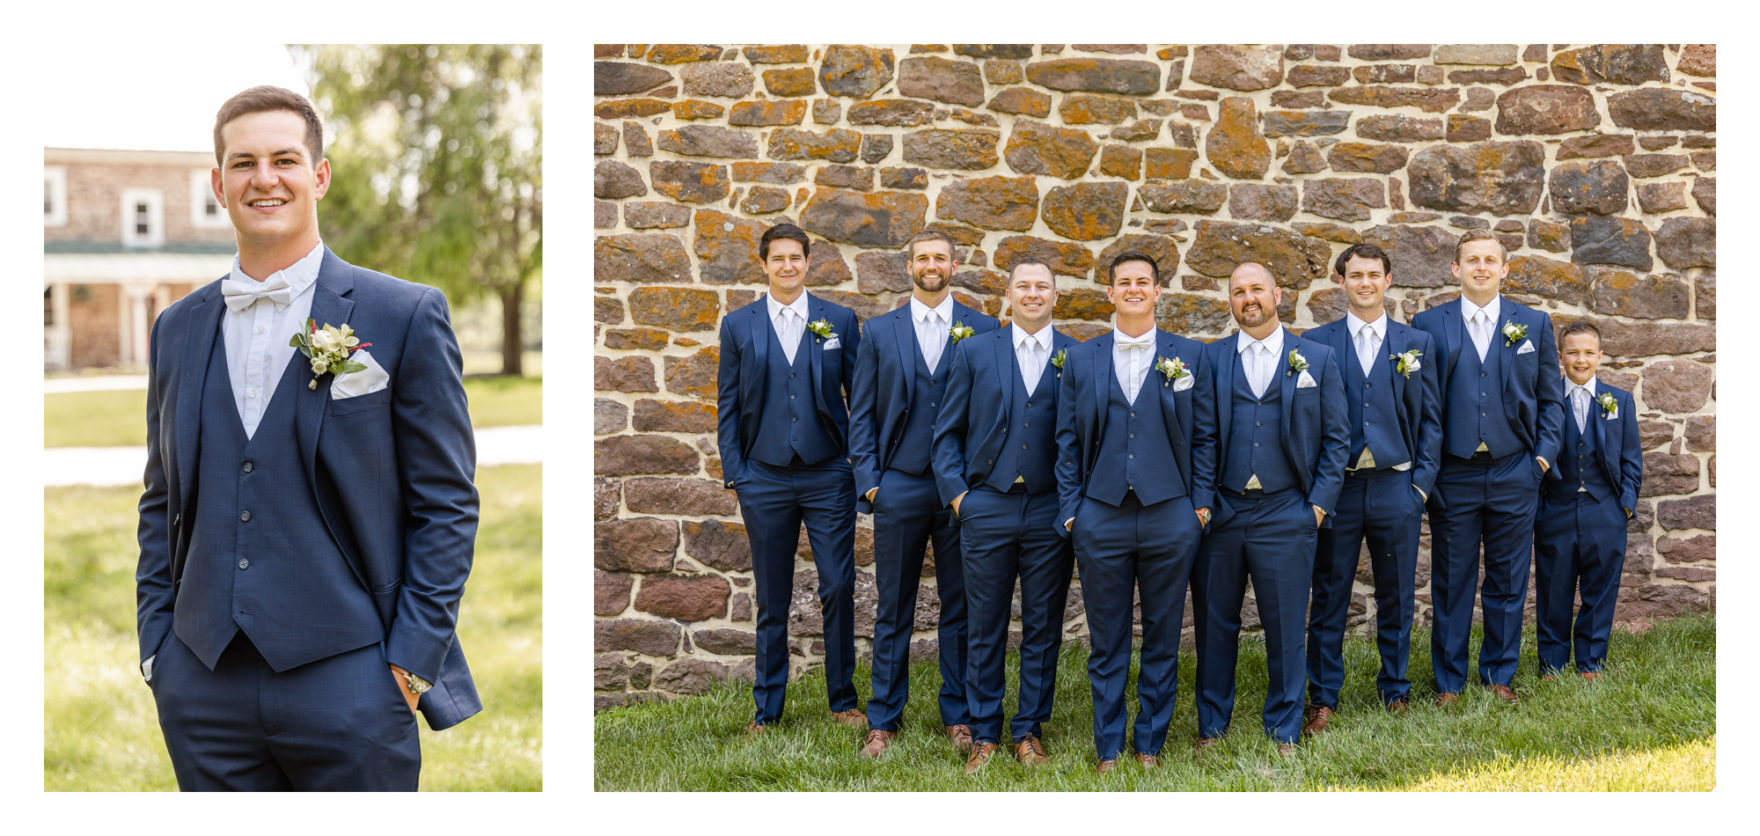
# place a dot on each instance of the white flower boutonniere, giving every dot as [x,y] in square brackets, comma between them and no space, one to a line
[1172,370]
[328,349]
[822,328]
[1609,406]
[1057,361]
[1513,333]
[1407,362]
[1297,363]
[960,331]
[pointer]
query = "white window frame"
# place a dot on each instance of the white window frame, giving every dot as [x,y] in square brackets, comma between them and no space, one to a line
[155,202]
[55,188]
[201,191]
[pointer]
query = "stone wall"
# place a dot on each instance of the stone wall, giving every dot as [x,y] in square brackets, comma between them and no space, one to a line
[1596,165]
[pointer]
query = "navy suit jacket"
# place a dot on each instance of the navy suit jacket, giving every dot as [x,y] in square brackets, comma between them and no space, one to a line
[880,399]
[1086,397]
[1533,386]
[1416,400]
[391,470]
[1316,419]
[1617,450]
[974,418]
[745,346]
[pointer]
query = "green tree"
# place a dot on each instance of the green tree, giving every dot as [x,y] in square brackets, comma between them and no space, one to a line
[436,154]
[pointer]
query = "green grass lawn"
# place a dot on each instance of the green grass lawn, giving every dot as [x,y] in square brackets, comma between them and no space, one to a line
[1650,724]
[118,418]
[100,730]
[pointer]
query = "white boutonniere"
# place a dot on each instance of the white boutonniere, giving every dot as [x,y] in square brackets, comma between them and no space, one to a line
[1297,363]
[1057,361]
[1172,370]
[1609,406]
[960,331]
[1407,362]
[1513,333]
[328,349]
[822,328]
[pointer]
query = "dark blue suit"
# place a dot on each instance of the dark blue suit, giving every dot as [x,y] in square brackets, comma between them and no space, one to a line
[893,403]
[1005,522]
[1131,476]
[1580,534]
[1511,402]
[1297,445]
[1399,419]
[280,574]
[782,431]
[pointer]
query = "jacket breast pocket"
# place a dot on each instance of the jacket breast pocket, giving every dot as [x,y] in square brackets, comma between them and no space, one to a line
[361,403]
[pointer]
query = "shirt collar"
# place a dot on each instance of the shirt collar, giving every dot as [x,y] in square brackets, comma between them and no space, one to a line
[1379,326]
[300,275]
[1042,339]
[799,306]
[1146,338]
[1273,341]
[920,311]
[1491,309]
[1572,387]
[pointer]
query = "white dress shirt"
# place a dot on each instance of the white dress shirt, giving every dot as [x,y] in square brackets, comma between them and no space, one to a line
[1367,352]
[1483,331]
[1131,359]
[790,321]
[1031,351]
[257,335]
[1259,359]
[933,325]
[1582,400]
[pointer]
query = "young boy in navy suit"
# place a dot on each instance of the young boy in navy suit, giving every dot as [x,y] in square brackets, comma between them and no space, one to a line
[1580,536]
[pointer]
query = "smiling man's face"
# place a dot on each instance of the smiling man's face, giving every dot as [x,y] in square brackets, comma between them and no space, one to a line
[269,183]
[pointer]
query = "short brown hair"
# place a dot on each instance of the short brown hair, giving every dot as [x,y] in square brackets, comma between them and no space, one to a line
[1026,261]
[782,231]
[910,247]
[262,99]
[1472,235]
[1578,326]
[1129,256]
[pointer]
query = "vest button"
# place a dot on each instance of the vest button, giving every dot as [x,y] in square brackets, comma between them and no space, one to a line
[1005,431]
[1029,403]
[1026,424]
[791,375]
[1133,435]
[791,397]
[1255,444]
[1366,385]
[244,516]
[1023,446]
[1131,456]
[931,403]
[248,467]
[244,563]
[793,418]
[1481,374]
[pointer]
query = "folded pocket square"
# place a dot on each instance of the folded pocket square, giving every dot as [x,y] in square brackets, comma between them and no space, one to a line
[1527,347]
[364,382]
[1184,383]
[833,343]
[1306,381]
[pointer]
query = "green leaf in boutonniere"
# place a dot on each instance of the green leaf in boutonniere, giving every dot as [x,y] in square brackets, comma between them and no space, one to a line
[960,331]
[1297,363]
[328,349]
[1513,333]
[821,328]
[1609,406]
[1172,370]
[1057,361]
[1406,362]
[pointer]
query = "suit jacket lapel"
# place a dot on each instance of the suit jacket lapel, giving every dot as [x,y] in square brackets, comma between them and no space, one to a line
[1103,383]
[1291,342]
[905,335]
[1224,388]
[193,374]
[330,306]
[759,331]
[1164,347]
[815,348]
[1455,340]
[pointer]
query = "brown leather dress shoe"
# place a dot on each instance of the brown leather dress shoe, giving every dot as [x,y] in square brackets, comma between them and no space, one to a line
[754,729]
[1203,743]
[851,717]
[1504,692]
[1317,717]
[1148,761]
[875,743]
[961,735]
[1446,699]
[981,752]
[1591,675]
[1399,706]
[1549,678]
[1284,750]
[1031,752]
[1104,767]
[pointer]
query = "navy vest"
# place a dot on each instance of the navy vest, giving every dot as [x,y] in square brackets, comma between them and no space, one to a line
[910,451]
[1581,467]
[1135,444]
[790,423]
[261,559]
[1475,410]
[1031,449]
[1374,416]
[1255,436]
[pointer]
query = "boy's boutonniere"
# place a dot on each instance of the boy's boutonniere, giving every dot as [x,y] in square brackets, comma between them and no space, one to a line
[1172,370]
[1057,361]
[1513,333]
[822,328]
[1609,406]
[1297,363]
[1407,362]
[328,348]
[960,331]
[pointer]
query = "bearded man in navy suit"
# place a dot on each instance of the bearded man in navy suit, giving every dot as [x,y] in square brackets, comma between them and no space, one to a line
[1502,422]
[900,382]
[307,523]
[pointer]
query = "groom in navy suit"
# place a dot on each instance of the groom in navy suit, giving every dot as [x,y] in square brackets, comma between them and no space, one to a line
[1133,468]
[1502,423]
[899,384]
[1396,438]
[305,533]
[781,424]
[1283,431]
[1003,489]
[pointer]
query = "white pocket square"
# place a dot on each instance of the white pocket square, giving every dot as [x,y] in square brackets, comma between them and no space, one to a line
[833,343]
[1184,383]
[1306,381]
[1527,347]
[364,382]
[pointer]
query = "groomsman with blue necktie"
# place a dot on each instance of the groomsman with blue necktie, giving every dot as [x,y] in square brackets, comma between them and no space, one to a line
[1503,418]
[1003,488]
[1134,467]
[1284,433]
[1395,409]
[1580,535]
[900,381]
[786,362]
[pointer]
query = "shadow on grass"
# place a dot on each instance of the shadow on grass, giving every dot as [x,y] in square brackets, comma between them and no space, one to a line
[1650,723]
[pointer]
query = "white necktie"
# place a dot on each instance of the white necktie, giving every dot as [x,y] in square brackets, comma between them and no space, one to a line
[1261,354]
[1481,332]
[1366,348]
[931,334]
[243,294]
[789,333]
[1580,404]
[1032,366]
[1136,353]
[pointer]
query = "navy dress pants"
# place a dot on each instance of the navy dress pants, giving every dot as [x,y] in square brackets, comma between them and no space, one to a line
[1579,549]
[1493,503]
[1383,508]
[908,514]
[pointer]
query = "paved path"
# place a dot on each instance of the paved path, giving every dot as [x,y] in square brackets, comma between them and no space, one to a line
[57,385]
[124,465]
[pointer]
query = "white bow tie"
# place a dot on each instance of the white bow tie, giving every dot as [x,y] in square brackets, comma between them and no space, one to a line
[1143,343]
[243,294]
